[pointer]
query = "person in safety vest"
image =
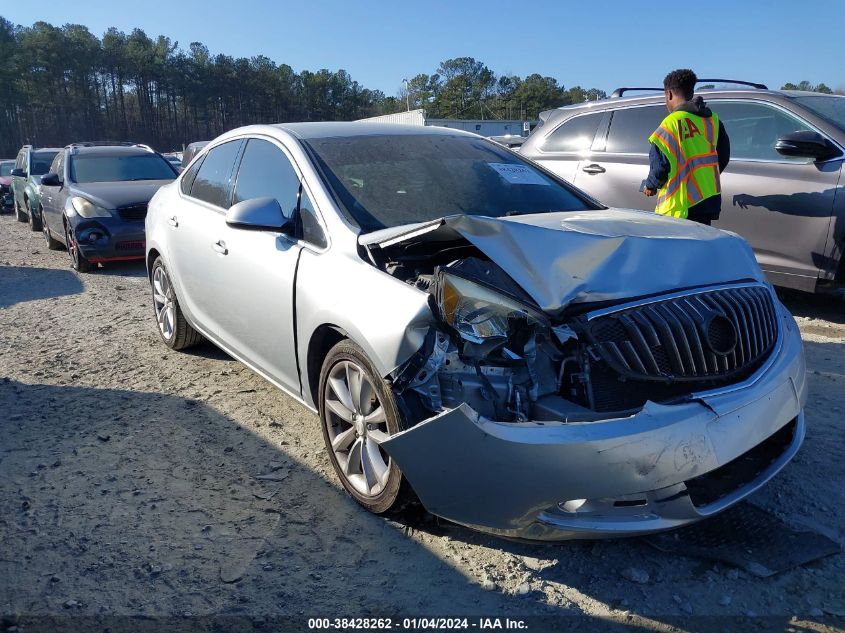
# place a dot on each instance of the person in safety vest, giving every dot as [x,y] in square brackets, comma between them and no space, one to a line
[689,151]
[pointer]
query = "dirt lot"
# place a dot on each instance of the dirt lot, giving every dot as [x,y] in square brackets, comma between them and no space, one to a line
[128,487]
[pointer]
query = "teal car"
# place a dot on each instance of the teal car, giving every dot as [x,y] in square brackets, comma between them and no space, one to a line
[30,165]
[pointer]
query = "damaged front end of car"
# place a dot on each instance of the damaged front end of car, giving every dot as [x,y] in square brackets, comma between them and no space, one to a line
[552,405]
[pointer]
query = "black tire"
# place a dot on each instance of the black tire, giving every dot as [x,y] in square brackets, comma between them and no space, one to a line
[77,260]
[395,494]
[34,220]
[20,215]
[52,243]
[182,335]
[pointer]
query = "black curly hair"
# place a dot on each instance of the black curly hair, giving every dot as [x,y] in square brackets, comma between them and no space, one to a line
[681,81]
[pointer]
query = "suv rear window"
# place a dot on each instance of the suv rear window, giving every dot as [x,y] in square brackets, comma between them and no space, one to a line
[631,127]
[574,135]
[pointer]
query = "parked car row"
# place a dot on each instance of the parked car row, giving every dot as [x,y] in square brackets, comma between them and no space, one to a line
[89,198]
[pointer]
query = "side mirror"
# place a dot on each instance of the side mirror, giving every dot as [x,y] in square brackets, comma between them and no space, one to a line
[805,144]
[19,173]
[259,214]
[50,180]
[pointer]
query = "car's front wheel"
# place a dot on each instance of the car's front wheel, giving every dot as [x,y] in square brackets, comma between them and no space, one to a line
[359,411]
[79,262]
[173,328]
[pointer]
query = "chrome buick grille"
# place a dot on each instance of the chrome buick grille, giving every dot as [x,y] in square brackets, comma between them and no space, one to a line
[696,336]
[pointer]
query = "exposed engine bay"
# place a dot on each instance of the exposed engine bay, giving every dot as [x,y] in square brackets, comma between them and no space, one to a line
[495,349]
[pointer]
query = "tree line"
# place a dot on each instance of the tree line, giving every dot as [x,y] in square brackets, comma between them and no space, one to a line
[64,84]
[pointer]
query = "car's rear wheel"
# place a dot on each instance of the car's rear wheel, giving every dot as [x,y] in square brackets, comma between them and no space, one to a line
[34,220]
[52,243]
[20,215]
[359,411]
[173,328]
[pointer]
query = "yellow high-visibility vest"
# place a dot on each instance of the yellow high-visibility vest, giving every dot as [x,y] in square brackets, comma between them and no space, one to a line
[689,142]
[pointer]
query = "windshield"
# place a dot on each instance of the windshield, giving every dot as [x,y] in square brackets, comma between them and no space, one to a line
[6,168]
[827,107]
[385,181]
[94,168]
[39,162]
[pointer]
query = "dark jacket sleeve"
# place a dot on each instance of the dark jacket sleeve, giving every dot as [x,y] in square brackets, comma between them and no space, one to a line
[723,148]
[658,168]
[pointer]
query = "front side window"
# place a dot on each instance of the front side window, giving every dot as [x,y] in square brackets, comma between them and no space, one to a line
[754,128]
[265,171]
[631,127]
[829,107]
[118,168]
[389,180]
[575,135]
[40,162]
[214,176]
[57,165]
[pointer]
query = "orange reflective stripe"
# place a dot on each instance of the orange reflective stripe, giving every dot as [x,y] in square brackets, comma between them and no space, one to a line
[708,130]
[694,193]
[718,178]
[671,142]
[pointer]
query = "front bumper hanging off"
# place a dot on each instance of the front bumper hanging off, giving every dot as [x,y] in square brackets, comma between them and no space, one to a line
[663,467]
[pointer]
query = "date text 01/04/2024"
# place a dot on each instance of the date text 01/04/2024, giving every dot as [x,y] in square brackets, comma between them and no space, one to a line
[425,623]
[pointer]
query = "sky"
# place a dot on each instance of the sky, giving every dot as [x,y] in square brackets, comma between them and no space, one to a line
[595,44]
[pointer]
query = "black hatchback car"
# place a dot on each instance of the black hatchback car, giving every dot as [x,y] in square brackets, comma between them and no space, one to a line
[94,200]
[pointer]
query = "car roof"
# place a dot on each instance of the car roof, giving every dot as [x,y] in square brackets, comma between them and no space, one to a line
[657,97]
[35,150]
[330,129]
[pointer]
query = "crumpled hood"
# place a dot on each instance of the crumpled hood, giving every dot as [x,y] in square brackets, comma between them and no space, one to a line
[111,195]
[599,255]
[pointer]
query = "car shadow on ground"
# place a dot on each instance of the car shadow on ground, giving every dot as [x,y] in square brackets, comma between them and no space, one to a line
[132,268]
[815,306]
[126,502]
[24,283]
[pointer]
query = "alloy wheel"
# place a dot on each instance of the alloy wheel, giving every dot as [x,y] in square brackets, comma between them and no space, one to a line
[356,425]
[163,302]
[72,247]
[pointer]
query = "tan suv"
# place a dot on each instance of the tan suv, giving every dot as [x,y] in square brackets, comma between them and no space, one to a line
[781,190]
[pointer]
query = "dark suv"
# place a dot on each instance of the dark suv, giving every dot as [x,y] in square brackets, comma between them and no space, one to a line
[95,197]
[782,190]
[30,165]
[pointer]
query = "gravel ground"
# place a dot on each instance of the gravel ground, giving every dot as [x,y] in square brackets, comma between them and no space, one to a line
[129,487]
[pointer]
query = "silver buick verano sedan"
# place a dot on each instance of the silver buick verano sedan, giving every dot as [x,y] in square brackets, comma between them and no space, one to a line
[477,334]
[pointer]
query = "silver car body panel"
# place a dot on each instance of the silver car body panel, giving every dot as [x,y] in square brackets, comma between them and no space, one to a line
[509,478]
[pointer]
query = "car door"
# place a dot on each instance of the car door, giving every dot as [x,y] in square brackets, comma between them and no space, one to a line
[52,200]
[257,268]
[194,227]
[782,206]
[567,145]
[614,175]
[19,182]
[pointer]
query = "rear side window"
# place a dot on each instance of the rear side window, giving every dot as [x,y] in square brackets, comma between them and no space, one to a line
[265,171]
[754,128]
[212,183]
[574,135]
[631,127]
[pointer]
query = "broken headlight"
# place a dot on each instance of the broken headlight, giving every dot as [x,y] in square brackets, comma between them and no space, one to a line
[477,313]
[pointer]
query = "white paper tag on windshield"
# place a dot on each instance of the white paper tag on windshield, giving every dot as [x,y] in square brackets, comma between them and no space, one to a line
[519,174]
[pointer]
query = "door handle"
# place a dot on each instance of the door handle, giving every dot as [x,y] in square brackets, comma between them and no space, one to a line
[172,221]
[220,247]
[594,169]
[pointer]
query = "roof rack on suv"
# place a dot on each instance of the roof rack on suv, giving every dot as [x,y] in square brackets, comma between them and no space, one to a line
[621,91]
[108,144]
